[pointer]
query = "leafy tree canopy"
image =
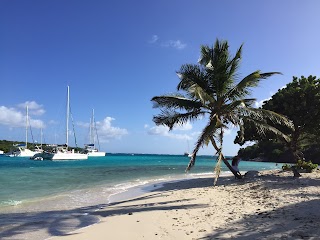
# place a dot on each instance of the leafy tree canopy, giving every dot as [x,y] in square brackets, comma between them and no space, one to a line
[300,102]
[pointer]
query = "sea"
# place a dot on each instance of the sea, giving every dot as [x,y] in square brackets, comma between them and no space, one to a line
[36,197]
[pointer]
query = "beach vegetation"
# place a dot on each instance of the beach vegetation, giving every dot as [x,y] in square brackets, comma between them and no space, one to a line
[212,90]
[301,165]
[300,102]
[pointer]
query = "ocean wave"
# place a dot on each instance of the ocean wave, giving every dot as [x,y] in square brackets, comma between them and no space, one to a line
[11,203]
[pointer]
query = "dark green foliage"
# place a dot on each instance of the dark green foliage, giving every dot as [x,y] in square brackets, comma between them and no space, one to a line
[300,102]
[301,165]
[7,145]
[286,167]
[264,150]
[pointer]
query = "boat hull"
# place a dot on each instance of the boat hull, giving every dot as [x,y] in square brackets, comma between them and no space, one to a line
[62,156]
[69,156]
[96,154]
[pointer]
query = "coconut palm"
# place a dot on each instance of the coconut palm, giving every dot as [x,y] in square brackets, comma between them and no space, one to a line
[211,90]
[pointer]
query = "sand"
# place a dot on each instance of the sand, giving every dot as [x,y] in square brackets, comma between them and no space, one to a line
[270,205]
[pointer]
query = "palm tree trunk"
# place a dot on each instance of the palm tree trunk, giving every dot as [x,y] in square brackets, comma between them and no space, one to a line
[235,173]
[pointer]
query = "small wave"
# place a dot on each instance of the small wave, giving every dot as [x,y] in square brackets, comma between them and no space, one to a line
[12,203]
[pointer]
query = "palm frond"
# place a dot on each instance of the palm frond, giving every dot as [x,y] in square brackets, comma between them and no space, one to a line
[196,92]
[206,55]
[263,114]
[175,101]
[243,88]
[191,75]
[234,63]
[172,118]
[262,128]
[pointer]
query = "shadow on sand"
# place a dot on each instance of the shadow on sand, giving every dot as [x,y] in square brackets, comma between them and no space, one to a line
[283,223]
[41,225]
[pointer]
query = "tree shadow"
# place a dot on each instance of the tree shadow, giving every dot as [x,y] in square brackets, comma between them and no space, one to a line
[54,223]
[295,221]
[61,223]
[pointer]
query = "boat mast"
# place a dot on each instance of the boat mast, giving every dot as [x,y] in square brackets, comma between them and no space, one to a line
[41,133]
[90,132]
[93,138]
[68,109]
[27,113]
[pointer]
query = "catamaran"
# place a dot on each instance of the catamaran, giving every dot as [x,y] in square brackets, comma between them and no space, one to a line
[62,152]
[90,148]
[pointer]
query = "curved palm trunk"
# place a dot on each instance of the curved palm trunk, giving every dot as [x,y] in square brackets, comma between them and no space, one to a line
[235,173]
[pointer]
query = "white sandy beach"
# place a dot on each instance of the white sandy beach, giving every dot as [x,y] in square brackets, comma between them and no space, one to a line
[273,205]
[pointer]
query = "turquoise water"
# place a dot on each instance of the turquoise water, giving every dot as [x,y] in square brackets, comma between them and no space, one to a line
[22,179]
[40,199]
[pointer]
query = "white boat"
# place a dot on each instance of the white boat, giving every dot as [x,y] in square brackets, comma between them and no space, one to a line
[1,152]
[62,152]
[21,150]
[90,148]
[187,153]
[92,151]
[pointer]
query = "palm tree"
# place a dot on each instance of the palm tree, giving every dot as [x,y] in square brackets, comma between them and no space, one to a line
[211,90]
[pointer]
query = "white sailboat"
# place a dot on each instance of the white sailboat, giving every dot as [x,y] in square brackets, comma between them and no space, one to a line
[61,152]
[187,153]
[90,148]
[21,150]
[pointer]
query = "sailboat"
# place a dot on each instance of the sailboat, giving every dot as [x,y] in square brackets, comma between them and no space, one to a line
[90,148]
[21,150]
[62,152]
[188,153]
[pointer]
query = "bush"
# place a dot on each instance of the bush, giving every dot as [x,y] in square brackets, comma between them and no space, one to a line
[304,165]
[301,165]
[286,167]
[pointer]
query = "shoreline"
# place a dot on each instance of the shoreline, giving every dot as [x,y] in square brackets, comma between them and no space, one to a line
[35,218]
[182,203]
[273,205]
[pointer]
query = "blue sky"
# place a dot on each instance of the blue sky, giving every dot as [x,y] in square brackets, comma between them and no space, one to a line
[117,55]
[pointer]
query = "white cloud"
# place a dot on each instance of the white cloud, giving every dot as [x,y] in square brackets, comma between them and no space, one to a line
[154,39]
[177,44]
[34,108]
[185,127]
[14,118]
[106,131]
[174,44]
[10,117]
[260,103]
[164,131]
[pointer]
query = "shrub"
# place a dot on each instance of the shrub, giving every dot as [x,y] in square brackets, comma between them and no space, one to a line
[304,165]
[286,167]
[301,165]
